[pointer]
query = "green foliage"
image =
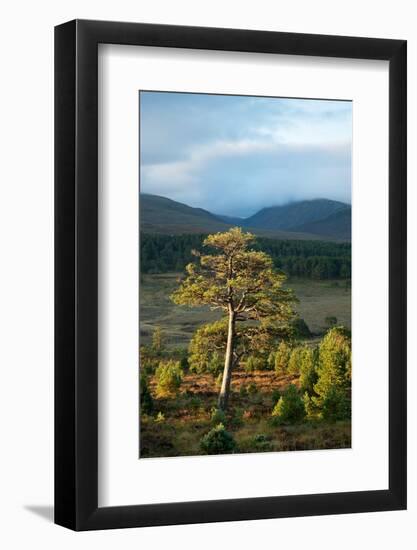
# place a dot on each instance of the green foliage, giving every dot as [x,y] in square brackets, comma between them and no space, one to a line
[254,363]
[217,417]
[290,407]
[160,418]
[195,402]
[262,442]
[250,364]
[300,328]
[237,418]
[218,441]
[145,397]
[169,377]
[309,406]
[215,364]
[148,362]
[157,341]
[276,394]
[294,364]
[336,405]
[334,373]
[308,372]
[242,284]
[236,274]
[184,363]
[282,357]
[206,347]
[271,361]
[243,391]
[309,259]
[252,389]
[303,361]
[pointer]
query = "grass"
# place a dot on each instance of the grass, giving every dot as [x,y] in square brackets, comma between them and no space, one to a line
[321,299]
[156,309]
[187,418]
[318,300]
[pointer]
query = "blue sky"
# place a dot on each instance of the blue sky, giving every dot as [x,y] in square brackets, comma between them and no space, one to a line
[236,154]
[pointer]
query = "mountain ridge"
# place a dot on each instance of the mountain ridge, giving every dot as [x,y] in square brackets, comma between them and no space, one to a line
[308,220]
[338,224]
[294,214]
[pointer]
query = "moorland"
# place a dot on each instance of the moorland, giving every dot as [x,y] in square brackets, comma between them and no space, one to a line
[290,386]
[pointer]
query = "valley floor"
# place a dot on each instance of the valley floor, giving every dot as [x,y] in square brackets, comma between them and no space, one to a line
[317,300]
[177,424]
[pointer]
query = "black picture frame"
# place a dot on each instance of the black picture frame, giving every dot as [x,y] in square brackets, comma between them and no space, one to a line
[76,272]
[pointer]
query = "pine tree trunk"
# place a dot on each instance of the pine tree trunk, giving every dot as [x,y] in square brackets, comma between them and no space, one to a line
[228,363]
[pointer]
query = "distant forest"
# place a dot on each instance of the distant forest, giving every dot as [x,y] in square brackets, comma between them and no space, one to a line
[311,259]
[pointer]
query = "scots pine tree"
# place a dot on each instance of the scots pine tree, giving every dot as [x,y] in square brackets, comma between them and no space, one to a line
[243,284]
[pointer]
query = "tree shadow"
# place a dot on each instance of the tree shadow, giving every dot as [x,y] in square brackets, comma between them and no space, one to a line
[45,512]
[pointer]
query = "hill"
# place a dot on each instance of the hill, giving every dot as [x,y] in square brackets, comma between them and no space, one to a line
[337,225]
[294,215]
[162,215]
[232,220]
[305,220]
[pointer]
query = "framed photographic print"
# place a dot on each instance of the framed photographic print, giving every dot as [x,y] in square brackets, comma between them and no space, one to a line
[230,253]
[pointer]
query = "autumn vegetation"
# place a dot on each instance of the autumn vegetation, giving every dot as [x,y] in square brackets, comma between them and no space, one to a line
[253,380]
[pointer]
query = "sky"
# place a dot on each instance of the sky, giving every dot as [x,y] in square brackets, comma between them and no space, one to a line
[234,155]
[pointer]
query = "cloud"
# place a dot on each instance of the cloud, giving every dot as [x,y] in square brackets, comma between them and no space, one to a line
[234,155]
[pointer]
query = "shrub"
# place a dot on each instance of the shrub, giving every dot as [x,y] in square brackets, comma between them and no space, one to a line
[300,328]
[148,362]
[237,418]
[333,369]
[195,402]
[202,349]
[169,377]
[145,397]
[215,364]
[158,340]
[262,442]
[218,441]
[271,361]
[254,363]
[276,394]
[308,372]
[184,363]
[336,406]
[217,417]
[282,357]
[160,417]
[252,389]
[290,407]
[310,407]
[243,392]
[294,364]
